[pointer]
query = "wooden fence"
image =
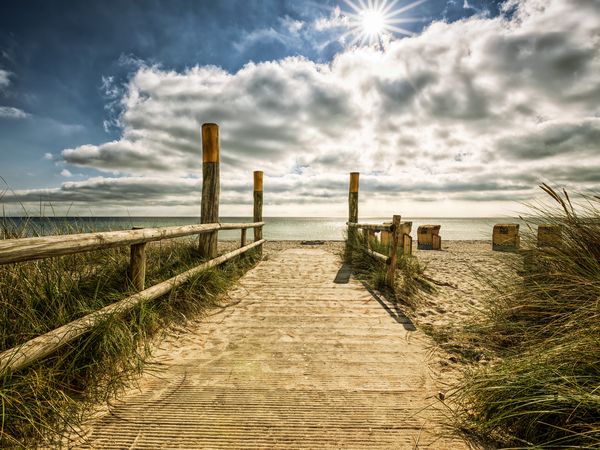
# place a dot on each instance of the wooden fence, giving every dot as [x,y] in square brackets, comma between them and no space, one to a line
[394,229]
[28,249]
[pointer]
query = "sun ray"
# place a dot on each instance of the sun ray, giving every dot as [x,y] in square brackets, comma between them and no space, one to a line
[374,21]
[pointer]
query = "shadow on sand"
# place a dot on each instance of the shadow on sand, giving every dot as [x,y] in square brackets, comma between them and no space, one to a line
[343,277]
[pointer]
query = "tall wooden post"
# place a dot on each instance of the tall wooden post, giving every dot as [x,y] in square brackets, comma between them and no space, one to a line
[137,265]
[258,206]
[353,198]
[210,188]
[352,213]
[393,261]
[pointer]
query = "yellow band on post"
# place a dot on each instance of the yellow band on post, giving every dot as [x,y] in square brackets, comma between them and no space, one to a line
[354,181]
[258,181]
[210,142]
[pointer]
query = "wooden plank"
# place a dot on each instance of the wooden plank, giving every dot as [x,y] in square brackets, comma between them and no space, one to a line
[210,187]
[27,249]
[19,357]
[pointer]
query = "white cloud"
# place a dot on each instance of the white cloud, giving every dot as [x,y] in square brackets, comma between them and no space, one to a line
[8,112]
[4,79]
[473,111]
[66,173]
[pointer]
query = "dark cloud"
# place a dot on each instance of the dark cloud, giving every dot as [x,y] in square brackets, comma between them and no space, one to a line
[554,138]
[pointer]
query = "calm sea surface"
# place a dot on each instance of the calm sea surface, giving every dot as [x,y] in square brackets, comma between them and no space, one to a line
[276,228]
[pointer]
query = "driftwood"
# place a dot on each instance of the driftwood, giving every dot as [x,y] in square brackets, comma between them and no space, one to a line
[19,357]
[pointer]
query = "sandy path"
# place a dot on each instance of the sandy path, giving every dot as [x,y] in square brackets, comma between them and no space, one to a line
[468,270]
[298,362]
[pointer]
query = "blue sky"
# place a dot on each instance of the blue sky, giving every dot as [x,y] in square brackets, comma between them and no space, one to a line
[83,84]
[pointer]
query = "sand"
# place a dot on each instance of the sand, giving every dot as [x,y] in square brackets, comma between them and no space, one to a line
[466,272]
[461,271]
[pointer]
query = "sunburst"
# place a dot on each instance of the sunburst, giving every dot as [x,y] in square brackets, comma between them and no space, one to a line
[371,20]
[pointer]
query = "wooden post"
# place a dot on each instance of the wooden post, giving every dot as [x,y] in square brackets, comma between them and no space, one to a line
[393,261]
[137,265]
[353,198]
[352,213]
[210,188]
[258,205]
[243,240]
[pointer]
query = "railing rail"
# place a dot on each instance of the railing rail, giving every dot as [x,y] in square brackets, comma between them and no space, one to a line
[27,249]
[371,227]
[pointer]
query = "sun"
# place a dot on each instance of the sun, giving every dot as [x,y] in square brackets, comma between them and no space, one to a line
[370,20]
[373,22]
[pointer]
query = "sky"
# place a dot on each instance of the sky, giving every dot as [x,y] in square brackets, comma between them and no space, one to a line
[458,108]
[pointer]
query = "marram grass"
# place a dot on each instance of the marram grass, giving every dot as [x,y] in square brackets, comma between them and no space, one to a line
[543,390]
[42,402]
[409,273]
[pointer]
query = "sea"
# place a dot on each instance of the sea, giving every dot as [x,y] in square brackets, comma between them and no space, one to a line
[276,228]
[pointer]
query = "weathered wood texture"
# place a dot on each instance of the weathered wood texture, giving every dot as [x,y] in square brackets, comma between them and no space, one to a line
[505,237]
[137,266]
[243,238]
[258,205]
[41,346]
[353,198]
[298,362]
[371,227]
[352,212]
[379,256]
[395,239]
[28,249]
[407,244]
[210,187]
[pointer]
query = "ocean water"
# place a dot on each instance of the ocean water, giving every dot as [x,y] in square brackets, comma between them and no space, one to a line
[276,228]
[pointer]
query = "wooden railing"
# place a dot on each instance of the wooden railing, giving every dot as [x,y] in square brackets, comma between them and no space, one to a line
[392,258]
[29,249]
[394,228]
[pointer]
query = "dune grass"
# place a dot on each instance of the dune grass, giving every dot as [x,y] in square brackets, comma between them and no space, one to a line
[45,400]
[409,274]
[543,388]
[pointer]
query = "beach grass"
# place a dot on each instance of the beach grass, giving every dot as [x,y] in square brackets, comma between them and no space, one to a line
[409,274]
[542,388]
[49,398]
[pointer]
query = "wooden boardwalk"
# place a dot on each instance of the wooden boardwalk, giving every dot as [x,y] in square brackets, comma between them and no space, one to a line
[301,361]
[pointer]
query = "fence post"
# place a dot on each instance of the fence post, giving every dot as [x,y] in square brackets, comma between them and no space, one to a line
[137,265]
[352,212]
[393,261]
[258,205]
[210,188]
[243,239]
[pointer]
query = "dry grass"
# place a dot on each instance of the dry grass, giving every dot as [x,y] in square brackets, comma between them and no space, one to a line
[543,390]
